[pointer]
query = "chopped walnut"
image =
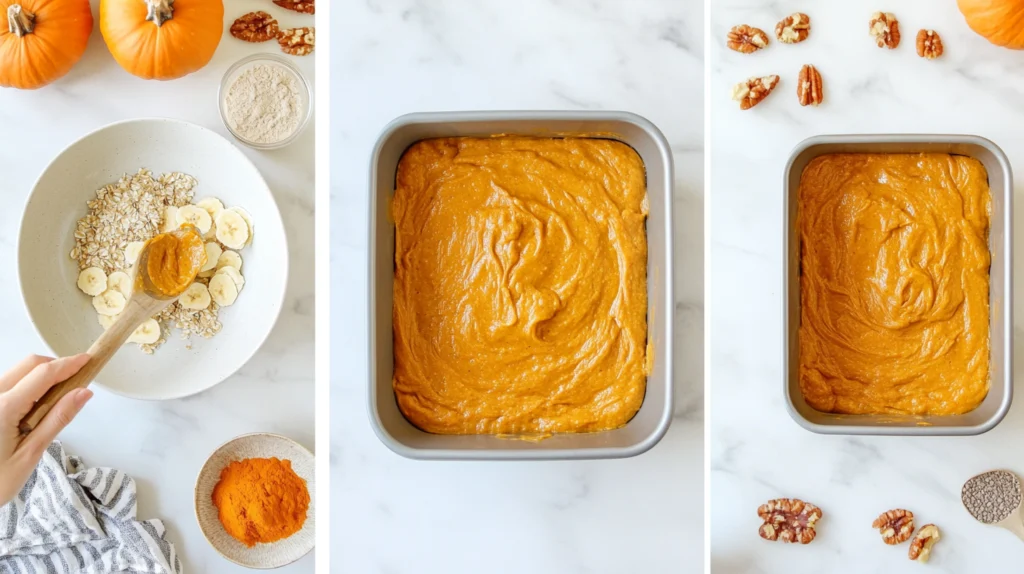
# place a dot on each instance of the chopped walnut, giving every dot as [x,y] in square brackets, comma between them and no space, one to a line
[255,27]
[809,88]
[788,520]
[794,28]
[921,545]
[746,39]
[896,526]
[885,29]
[929,44]
[751,92]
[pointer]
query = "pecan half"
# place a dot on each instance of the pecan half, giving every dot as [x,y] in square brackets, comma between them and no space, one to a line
[751,92]
[304,6]
[921,545]
[896,526]
[885,29]
[746,39]
[809,88]
[255,27]
[929,44]
[788,520]
[794,28]
[297,41]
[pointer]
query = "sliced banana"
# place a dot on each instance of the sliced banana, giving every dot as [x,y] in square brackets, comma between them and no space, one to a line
[195,216]
[212,205]
[170,222]
[107,320]
[213,252]
[233,274]
[232,230]
[230,259]
[110,302]
[92,281]
[120,281]
[147,333]
[196,297]
[211,235]
[223,289]
[131,252]
[248,221]
[207,274]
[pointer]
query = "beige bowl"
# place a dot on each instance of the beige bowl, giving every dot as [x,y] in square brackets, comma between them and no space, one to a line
[262,556]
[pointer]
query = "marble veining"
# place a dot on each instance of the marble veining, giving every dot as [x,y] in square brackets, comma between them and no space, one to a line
[397,516]
[163,444]
[757,451]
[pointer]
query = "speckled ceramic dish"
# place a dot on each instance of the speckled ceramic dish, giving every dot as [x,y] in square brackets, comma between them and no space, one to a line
[261,556]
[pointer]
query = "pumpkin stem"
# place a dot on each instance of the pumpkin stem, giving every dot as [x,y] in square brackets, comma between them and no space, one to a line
[20,22]
[159,11]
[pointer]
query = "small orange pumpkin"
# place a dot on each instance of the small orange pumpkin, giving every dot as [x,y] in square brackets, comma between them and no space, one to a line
[162,39]
[999,21]
[41,40]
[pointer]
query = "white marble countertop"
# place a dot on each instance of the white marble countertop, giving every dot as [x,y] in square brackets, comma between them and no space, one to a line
[392,515]
[757,451]
[163,444]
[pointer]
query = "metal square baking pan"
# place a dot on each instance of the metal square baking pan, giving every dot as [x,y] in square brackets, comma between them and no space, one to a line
[654,416]
[1000,181]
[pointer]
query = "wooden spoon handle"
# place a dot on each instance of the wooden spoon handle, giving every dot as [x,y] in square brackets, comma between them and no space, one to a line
[134,314]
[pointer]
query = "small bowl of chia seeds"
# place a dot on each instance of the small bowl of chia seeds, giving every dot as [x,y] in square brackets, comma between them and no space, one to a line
[993,496]
[265,101]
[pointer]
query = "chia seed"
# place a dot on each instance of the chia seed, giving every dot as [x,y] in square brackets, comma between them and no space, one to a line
[992,496]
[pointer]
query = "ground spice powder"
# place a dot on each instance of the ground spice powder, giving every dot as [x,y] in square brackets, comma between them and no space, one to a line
[261,500]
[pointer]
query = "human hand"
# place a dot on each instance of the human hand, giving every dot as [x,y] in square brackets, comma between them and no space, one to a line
[20,388]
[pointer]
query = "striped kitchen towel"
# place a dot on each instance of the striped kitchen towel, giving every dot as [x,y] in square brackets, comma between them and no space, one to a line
[70,519]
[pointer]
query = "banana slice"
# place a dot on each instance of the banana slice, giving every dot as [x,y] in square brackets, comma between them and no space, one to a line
[170,222]
[195,216]
[233,274]
[120,281]
[107,320]
[213,252]
[196,297]
[92,281]
[131,252]
[223,289]
[230,259]
[207,274]
[147,333]
[211,235]
[110,302]
[232,230]
[212,205]
[248,221]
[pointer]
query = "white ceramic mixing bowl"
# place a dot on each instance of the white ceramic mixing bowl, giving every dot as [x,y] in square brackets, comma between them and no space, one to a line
[64,316]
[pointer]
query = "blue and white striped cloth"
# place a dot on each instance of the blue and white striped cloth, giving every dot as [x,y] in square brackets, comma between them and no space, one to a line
[71,519]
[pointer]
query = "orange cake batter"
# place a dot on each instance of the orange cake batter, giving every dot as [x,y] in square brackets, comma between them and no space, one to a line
[894,283]
[520,294]
[174,260]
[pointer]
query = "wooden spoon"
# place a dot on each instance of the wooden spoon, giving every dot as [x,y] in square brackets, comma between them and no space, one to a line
[1014,521]
[145,302]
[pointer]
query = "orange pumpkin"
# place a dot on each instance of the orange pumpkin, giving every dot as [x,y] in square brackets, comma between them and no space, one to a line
[41,40]
[162,39]
[999,21]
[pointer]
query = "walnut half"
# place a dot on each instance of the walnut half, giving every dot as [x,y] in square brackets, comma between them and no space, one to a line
[921,546]
[789,520]
[809,88]
[746,39]
[297,41]
[794,28]
[929,44]
[885,29]
[896,526]
[255,27]
[751,92]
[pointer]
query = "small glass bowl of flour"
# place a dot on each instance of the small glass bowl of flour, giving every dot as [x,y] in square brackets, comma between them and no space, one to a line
[265,101]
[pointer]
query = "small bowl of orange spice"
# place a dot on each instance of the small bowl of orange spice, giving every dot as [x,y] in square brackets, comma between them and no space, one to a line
[254,500]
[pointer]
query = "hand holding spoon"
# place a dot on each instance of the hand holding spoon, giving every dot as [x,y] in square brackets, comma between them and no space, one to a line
[167,265]
[994,498]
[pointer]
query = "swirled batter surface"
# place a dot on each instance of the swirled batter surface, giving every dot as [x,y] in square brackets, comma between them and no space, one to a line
[894,284]
[520,294]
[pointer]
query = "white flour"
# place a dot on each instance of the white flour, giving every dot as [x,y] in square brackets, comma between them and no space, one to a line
[263,104]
